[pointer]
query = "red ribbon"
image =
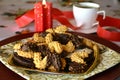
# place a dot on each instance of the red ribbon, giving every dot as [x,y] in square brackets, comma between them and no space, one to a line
[106,34]
[63,18]
[58,15]
[25,19]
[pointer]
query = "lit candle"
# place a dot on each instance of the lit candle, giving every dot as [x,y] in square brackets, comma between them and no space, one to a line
[43,18]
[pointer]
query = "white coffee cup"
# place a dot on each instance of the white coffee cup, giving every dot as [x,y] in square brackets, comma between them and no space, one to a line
[85,14]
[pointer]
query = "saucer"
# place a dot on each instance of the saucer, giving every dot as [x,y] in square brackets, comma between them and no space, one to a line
[88,31]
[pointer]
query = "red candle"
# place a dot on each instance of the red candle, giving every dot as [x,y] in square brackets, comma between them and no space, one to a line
[43,18]
[38,13]
[47,15]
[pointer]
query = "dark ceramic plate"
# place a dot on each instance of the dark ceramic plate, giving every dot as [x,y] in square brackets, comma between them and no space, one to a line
[110,58]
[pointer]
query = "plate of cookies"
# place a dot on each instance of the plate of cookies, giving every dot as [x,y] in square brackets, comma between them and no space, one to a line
[57,54]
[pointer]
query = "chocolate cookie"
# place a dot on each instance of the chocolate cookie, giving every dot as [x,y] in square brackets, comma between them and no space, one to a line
[21,61]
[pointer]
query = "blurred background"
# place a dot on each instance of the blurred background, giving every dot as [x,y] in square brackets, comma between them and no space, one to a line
[10,9]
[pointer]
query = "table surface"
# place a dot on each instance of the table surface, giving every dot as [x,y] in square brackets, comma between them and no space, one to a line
[112,8]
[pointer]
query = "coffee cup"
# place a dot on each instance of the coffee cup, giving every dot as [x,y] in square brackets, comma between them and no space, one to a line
[85,14]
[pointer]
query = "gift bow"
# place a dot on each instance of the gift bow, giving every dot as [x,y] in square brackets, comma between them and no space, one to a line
[63,17]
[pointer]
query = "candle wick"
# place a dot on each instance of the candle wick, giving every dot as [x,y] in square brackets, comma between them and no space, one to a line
[44,2]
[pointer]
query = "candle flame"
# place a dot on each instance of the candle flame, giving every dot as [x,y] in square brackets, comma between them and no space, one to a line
[44,2]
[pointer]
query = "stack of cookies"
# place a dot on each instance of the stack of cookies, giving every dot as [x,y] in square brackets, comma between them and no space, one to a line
[57,50]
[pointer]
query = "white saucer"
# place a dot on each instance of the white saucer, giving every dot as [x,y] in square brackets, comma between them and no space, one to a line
[87,31]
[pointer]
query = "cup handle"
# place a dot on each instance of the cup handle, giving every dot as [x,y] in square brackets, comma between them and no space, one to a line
[95,23]
[102,12]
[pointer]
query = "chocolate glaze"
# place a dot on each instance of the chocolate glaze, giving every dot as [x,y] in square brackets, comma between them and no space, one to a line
[22,61]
